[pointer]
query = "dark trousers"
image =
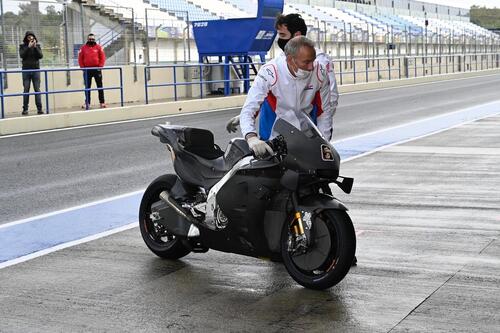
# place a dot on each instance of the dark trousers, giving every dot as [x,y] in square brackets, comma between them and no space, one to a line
[87,78]
[29,77]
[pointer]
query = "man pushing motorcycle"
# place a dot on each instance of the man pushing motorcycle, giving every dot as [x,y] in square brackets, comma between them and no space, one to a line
[287,27]
[295,87]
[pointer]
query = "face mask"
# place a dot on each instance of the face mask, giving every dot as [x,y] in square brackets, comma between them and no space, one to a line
[301,73]
[282,43]
[91,43]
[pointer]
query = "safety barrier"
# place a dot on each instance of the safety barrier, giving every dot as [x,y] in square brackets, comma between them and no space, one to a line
[48,92]
[244,72]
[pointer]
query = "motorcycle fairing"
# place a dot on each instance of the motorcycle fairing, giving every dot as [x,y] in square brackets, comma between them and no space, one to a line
[300,157]
[312,202]
[244,199]
[198,161]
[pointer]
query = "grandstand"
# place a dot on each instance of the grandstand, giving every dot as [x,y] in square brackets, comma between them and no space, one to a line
[152,28]
[156,31]
[383,40]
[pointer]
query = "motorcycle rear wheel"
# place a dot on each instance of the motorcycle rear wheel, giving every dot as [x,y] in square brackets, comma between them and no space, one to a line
[157,238]
[329,257]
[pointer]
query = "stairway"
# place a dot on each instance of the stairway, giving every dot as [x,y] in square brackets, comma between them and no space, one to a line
[115,39]
[239,69]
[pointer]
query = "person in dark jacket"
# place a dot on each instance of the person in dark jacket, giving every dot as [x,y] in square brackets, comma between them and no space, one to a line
[92,55]
[31,53]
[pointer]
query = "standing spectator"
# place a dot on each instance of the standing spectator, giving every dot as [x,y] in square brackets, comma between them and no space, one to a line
[92,55]
[31,53]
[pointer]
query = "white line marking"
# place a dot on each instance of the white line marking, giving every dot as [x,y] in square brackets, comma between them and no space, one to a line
[66,245]
[10,224]
[115,122]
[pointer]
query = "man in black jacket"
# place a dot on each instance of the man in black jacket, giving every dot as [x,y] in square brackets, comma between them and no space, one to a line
[31,53]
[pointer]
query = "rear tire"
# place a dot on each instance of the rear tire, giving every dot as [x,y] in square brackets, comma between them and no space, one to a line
[329,257]
[157,238]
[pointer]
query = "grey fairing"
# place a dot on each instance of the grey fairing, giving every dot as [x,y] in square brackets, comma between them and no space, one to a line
[300,157]
[320,202]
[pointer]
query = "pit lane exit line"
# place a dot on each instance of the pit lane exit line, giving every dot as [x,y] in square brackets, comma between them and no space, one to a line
[30,238]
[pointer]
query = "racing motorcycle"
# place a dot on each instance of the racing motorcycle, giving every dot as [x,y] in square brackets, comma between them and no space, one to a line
[280,207]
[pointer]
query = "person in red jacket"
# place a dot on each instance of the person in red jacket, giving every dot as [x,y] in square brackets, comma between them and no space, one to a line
[92,55]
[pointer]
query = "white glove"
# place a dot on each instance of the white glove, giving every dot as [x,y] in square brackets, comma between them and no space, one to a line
[232,124]
[259,147]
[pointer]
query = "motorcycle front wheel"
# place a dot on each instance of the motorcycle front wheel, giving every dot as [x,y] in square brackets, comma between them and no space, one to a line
[157,238]
[331,251]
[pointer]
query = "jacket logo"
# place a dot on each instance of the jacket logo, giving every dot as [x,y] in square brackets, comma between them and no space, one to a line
[309,87]
[270,72]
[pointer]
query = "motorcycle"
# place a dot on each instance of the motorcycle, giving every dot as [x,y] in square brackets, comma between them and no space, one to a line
[280,207]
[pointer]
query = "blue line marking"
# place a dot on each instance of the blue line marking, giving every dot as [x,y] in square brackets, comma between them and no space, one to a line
[22,239]
[364,143]
[25,238]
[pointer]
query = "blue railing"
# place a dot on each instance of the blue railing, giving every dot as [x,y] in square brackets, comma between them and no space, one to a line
[200,81]
[348,71]
[47,92]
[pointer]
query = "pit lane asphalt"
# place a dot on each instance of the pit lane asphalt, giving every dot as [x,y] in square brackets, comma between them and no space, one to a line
[44,172]
[428,218]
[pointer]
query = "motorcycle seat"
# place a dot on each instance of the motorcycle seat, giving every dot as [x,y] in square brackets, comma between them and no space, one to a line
[201,143]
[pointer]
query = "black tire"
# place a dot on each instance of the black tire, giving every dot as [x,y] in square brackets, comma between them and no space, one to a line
[159,240]
[330,255]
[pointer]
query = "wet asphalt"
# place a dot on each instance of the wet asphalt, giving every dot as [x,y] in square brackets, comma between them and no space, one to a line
[428,222]
[427,215]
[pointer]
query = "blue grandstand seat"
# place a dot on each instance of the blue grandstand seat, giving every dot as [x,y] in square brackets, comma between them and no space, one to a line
[179,8]
[249,6]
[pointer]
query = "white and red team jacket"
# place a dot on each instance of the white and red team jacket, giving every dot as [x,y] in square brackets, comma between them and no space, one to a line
[275,93]
[325,60]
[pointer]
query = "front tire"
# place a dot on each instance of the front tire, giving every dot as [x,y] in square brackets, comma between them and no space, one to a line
[328,259]
[157,238]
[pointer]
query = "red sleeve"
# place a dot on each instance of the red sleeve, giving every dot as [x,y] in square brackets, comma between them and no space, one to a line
[102,57]
[80,57]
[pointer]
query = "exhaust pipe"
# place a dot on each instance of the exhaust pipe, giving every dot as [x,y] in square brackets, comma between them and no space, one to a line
[193,230]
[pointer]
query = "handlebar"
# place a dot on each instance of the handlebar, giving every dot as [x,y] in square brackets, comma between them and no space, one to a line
[278,145]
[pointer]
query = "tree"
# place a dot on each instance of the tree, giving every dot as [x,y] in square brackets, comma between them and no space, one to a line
[44,25]
[488,18]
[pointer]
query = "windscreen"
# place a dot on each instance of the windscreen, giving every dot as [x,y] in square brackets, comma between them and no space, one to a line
[307,150]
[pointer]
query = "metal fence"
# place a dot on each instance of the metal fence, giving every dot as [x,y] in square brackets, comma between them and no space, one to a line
[151,36]
[366,70]
[44,19]
[48,92]
[200,79]
[347,72]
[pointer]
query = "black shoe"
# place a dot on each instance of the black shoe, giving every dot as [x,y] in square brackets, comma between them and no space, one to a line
[40,112]
[25,112]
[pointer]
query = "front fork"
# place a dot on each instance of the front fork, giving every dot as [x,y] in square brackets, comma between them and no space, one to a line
[297,242]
